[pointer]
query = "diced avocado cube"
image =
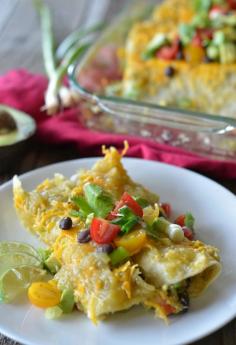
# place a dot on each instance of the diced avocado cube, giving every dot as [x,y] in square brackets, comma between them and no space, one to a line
[119,255]
[67,301]
[52,264]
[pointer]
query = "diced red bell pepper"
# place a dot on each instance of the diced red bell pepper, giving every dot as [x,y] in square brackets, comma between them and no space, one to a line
[188,233]
[232,4]
[169,52]
[180,220]
[201,35]
[126,200]
[167,208]
[217,10]
[167,308]
[197,41]
[102,231]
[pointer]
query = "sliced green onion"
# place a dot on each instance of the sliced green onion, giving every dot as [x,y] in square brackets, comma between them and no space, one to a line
[159,225]
[212,52]
[73,39]
[119,255]
[219,38]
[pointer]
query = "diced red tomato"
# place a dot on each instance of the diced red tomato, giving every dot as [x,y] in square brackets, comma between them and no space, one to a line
[168,309]
[167,208]
[201,35]
[180,220]
[188,233]
[169,52]
[217,10]
[197,41]
[126,200]
[205,34]
[102,231]
[232,4]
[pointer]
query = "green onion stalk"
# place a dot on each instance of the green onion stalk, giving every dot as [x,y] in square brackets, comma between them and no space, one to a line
[56,63]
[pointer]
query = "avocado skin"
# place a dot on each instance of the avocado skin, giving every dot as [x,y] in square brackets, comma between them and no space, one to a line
[15,144]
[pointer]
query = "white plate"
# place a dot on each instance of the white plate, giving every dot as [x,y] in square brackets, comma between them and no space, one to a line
[214,208]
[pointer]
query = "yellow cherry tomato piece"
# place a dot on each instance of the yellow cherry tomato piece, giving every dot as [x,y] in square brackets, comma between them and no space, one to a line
[44,294]
[132,242]
[194,54]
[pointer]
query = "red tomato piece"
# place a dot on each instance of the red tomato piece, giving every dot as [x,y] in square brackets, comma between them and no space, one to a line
[188,233]
[180,220]
[167,208]
[232,4]
[126,200]
[197,41]
[216,10]
[169,52]
[102,231]
[168,309]
[206,33]
[201,35]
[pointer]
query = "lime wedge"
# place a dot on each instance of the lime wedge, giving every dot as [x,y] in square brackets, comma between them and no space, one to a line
[17,280]
[8,247]
[13,260]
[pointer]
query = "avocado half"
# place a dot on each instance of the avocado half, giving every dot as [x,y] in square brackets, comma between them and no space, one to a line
[16,129]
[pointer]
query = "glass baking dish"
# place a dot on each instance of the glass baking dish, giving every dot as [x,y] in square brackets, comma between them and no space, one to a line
[206,134]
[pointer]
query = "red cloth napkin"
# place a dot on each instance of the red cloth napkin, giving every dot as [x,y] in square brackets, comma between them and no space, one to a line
[25,91]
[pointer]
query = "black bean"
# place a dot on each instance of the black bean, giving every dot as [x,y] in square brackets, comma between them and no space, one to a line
[184,300]
[65,223]
[207,59]
[105,248]
[169,71]
[180,55]
[84,236]
[180,45]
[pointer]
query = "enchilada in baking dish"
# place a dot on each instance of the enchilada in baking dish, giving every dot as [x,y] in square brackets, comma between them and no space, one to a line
[185,56]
